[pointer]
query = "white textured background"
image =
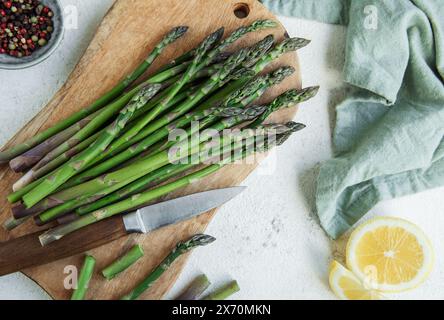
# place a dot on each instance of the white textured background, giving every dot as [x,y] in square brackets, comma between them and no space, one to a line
[268,238]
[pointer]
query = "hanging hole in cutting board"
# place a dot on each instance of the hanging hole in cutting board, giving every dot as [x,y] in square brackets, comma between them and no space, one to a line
[241,10]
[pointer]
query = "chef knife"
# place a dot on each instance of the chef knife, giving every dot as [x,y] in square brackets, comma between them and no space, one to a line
[27,251]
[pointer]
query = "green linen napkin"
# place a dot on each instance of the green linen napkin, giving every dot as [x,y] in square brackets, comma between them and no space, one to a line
[389,129]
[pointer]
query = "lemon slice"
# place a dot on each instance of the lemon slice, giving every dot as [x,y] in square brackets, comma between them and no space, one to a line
[391,254]
[348,287]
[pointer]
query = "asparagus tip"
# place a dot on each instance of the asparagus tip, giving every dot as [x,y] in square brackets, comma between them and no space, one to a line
[258,50]
[293,44]
[250,112]
[198,240]
[179,31]
[208,43]
[295,126]
[262,24]
[242,73]
[280,74]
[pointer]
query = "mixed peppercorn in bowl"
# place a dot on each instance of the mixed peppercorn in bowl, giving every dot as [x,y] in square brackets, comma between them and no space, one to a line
[30,31]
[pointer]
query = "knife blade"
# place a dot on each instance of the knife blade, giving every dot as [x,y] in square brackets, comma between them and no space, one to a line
[27,251]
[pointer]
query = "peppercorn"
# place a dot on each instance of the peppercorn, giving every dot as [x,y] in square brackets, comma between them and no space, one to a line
[25,26]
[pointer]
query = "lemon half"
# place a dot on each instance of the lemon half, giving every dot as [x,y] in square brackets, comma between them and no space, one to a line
[391,254]
[348,287]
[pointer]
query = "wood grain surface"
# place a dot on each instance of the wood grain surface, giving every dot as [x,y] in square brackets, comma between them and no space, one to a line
[128,32]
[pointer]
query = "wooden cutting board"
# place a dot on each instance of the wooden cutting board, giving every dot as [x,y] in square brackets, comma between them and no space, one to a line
[128,32]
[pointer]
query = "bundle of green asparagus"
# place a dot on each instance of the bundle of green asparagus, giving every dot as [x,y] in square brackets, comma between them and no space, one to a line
[125,149]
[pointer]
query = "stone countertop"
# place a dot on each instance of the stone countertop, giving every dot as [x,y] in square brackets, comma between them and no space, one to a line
[269,239]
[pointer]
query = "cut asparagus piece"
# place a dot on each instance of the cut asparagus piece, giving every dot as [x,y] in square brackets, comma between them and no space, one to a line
[172,36]
[84,278]
[225,292]
[77,163]
[180,249]
[123,263]
[13,223]
[195,289]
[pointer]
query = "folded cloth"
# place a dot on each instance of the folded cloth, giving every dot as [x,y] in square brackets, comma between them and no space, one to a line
[389,130]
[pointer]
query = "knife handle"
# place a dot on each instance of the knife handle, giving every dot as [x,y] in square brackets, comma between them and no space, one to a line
[26,252]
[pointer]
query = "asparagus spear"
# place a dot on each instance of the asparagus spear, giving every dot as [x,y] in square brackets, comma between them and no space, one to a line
[225,70]
[158,135]
[287,100]
[256,26]
[254,54]
[224,292]
[19,193]
[34,155]
[282,48]
[143,198]
[251,56]
[104,116]
[32,175]
[134,171]
[180,249]
[286,46]
[40,155]
[243,96]
[100,118]
[201,51]
[195,289]
[137,186]
[155,178]
[236,117]
[203,58]
[77,163]
[172,36]
[123,263]
[84,278]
